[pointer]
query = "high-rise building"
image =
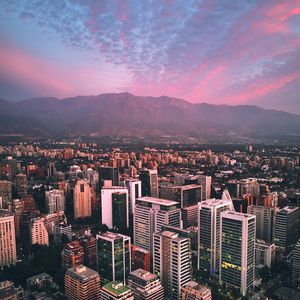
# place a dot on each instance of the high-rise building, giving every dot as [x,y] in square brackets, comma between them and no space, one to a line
[120,216]
[248,186]
[21,185]
[116,290]
[113,257]
[82,200]
[205,182]
[82,283]
[172,260]
[140,258]
[8,291]
[150,214]
[8,252]
[265,222]
[190,216]
[149,179]
[134,187]
[5,192]
[145,285]
[17,209]
[195,291]
[185,195]
[88,242]
[72,255]
[209,234]
[237,248]
[38,233]
[264,253]
[295,280]
[114,206]
[287,229]
[188,197]
[108,176]
[51,172]
[55,200]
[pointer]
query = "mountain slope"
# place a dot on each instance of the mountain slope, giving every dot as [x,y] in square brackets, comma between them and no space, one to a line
[126,114]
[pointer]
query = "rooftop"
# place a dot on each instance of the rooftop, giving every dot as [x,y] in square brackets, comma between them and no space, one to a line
[111,235]
[82,273]
[5,213]
[115,288]
[143,274]
[214,202]
[158,201]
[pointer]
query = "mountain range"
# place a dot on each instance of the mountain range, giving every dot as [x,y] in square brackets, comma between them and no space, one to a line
[129,115]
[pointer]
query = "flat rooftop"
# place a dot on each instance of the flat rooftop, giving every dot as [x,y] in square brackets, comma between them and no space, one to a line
[115,288]
[143,274]
[82,272]
[158,201]
[5,213]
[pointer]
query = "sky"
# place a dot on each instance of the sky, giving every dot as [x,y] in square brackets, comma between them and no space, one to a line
[220,52]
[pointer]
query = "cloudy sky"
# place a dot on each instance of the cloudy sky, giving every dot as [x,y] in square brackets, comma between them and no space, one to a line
[232,52]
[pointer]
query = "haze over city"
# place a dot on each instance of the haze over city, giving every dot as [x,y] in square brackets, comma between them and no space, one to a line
[219,52]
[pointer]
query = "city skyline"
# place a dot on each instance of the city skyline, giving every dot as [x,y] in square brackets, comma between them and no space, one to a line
[202,51]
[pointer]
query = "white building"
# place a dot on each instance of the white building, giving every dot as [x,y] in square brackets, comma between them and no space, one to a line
[107,204]
[134,187]
[209,234]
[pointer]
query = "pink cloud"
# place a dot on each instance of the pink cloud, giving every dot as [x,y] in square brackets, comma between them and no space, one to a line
[24,68]
[260,88]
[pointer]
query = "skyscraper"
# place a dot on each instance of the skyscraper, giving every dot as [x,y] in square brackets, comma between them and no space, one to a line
[145,285]
[172,260]
[287,229]
[72,255]
[205,182]
[114,206]
[8,252]
[108,176]
[134,187]
[140,258]
[113,257]
[38,232]
[55,200]
[248,186]
[149,179]
[265,222]
[120,216]
[5,192]
[188,197]
[209,234]
[21,185]
[296,266]
[88,242]
[150,214]
[82,283]
[82,200]
[237,247]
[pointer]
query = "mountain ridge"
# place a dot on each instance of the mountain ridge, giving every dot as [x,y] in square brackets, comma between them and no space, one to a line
[127,114]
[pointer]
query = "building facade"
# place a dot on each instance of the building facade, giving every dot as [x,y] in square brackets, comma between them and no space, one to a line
[8,252]
[113,257]
[237,248]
